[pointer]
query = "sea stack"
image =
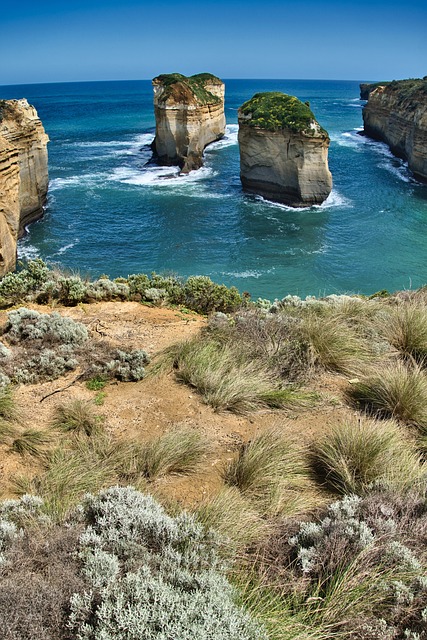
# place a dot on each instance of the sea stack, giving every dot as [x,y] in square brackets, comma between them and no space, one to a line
[283,151]
[189,115]
[23,174]
[396,113]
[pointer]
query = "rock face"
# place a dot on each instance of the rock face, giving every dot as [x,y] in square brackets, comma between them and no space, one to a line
[367,87]
[189,115]
[283,151]
[23,174]
[397,114]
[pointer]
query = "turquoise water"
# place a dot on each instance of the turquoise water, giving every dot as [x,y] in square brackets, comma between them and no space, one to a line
[111,212]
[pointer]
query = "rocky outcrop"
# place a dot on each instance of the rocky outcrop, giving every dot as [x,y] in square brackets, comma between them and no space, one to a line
[23,174]
[367,87]
[189,115]
[283,151]
[396,113]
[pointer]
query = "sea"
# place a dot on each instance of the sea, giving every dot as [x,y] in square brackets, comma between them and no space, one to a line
[111,211]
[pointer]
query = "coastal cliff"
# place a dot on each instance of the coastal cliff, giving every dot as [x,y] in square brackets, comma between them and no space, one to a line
[283,151]
[23,174]
[189,115]
[396,113]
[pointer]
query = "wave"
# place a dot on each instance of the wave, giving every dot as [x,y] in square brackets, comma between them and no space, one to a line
[65,248]
[86,180]
[229,139]
[155,176]
[335,199]
[248,273]
[27,251]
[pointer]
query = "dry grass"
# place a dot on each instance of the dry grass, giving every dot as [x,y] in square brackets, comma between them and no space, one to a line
[78,416]
[357,456]
[394,390]
[405,327]
[31,442]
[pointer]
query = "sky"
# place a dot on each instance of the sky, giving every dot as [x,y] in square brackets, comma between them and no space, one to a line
[44,41]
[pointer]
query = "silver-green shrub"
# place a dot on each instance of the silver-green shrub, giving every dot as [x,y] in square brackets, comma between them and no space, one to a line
[46,365]
[152,576]
[29,325]
[127,366]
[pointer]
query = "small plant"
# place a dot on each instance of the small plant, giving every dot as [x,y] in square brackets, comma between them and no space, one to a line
[394,390]
[97,383]
[357,457]
[44,328]
[77,416]
[7,405]
[100,398]
[405,327]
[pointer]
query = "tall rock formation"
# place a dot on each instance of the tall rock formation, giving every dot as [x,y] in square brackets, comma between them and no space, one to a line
[23,174]
[189,115]
[396,113]
[283,151]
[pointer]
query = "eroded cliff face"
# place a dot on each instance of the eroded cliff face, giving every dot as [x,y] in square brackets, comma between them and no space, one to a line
[189,115]
[397,114]
[286,164]
[23,174]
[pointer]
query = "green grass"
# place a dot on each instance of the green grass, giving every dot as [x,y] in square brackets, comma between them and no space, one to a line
[8,409]
[97,383]
[358,456]
[270,471]
[196,84]
[274,111]
[394,390]
[77,416]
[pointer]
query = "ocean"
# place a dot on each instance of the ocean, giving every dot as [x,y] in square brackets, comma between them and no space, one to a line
[110,211]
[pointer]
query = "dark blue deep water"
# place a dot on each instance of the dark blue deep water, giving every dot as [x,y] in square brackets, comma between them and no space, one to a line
[109,212]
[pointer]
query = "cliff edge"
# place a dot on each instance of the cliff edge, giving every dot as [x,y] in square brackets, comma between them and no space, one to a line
[189,115]
[283,150]
[396,113]
[23,174]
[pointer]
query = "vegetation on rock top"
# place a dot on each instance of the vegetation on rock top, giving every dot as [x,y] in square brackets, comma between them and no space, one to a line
[196,84]
[414,89]
[273,110]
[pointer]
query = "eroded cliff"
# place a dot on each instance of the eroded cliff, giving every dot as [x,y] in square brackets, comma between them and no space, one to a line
[396,113]
[189,115]
[283,151]
[23,174]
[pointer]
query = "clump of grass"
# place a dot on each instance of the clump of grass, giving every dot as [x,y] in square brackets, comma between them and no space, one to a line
[8,432]
[233,516]
[228,379]
[8,410]
[334,345]
[77,416]
[31,442]
[405,327]
[270,472]
[177,451]
[394,390]
[355,457]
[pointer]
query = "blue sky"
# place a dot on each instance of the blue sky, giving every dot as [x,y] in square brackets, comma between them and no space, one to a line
[44,41]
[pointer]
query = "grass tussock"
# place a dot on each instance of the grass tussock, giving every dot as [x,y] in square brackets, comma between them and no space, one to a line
[235,519]
[355,457]
[394,390]
[77,416]
[31,442]
[405,327]
[8,410]
[178,451]
[229,380]
[270,471]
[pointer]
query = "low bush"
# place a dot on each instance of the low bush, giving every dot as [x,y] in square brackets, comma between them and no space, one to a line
[358,456]
[176,451]
[31,442]
[405,327]
[394,390]
[45,328]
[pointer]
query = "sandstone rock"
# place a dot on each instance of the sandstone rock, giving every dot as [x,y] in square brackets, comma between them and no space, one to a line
[189,115]
[23,174]
[283,151]
[396,113]
[367,87]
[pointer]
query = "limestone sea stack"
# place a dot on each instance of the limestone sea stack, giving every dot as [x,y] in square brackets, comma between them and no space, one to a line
[23,174]
[189,115]
[396,113]
[283,150]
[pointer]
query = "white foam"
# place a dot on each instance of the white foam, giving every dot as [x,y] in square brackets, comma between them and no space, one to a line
[27,251]
[400,172]
[249,273]
[88,180]
[65,248]
[154,176]
[334,199]
[229,139]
